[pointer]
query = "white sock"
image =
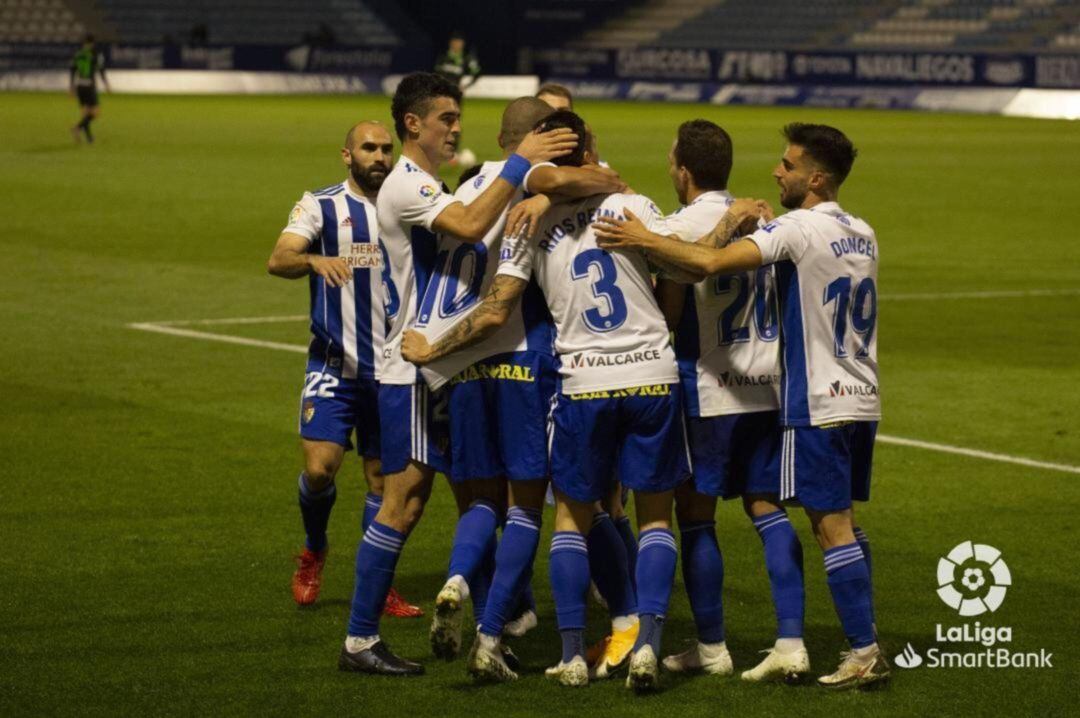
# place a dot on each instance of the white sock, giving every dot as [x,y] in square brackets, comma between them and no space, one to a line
[623,623]
[866,653]
[355,644]
[462,585]
[490,643]
[712,648]
[788,645]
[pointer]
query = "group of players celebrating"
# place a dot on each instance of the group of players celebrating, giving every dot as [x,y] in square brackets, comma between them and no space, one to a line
[518,331]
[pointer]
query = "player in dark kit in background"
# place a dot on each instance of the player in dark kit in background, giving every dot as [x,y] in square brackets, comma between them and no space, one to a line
[87,64]
[456,65]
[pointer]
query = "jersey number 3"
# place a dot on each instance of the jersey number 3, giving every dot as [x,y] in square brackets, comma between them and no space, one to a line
[603,288]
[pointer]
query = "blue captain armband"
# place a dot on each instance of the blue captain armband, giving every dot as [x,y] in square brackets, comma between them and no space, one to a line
[515,169]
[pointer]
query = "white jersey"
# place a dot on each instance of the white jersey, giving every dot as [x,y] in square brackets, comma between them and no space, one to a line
[463,274]
[347,323]
[826,275]
[409,201]
[726,342]
[610,333]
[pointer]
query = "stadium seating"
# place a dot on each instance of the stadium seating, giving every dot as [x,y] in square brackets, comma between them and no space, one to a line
[247,21]
[38,21]
[991,25]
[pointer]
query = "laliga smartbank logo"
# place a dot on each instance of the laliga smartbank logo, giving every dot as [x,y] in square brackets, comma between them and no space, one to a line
[972,580]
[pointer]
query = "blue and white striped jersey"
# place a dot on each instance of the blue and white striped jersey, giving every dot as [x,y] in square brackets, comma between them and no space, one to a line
[727,340]
[348,323]
[826,280]
[463,274]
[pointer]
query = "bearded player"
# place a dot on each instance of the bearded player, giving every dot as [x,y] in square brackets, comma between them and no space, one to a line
[826,263]
[332,238]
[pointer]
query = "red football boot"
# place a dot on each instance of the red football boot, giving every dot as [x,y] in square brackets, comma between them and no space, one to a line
[398,607]
[307,580]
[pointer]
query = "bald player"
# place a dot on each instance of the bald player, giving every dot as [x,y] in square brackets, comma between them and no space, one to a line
[499,394]
[332,238]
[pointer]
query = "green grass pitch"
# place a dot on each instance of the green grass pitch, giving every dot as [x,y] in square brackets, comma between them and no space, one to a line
[148,501]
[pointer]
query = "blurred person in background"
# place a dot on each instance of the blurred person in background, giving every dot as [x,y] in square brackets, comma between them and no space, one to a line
[86,66]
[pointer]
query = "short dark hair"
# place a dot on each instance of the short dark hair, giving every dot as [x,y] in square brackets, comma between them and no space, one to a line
[704,148]
[552,88]
[469,174]
[568,119]
[827,146]
[415,94]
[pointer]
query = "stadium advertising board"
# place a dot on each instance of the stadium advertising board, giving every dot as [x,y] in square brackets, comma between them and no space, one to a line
[956,69]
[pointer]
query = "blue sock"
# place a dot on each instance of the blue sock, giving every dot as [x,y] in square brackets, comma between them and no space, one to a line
[849,582]
[376,560]
[703,574]
[608,566]
[626,533]
[372,504]
[513,564]
[657,557]
[864,543]
[474,538]
[569,571]
[649,632]
[315,510]
[573,643]
[480,584]
[784,563]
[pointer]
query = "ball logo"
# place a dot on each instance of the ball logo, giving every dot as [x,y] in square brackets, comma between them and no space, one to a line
[428,192]
[973,578]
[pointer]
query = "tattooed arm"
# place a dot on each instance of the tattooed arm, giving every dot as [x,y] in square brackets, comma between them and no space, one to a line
[739,221]
[480,323]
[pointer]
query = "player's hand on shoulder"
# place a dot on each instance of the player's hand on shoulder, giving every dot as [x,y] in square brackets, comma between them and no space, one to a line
[525,216]
[544,146]
[415,347]
[615,233]
[335,270]
[748,211]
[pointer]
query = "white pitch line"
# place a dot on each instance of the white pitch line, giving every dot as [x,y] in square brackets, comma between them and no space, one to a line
[975,453]
[226,338]
[1003,294]
[232,320]
[172,328]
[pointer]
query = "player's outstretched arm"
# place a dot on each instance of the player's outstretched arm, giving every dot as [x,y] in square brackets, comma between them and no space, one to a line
[480,323]
[291,260]
[612,233]
[575,182]
[470,222]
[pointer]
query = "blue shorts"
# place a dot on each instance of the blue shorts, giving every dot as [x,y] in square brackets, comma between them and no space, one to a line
[498,417]
[332,408]
[631,435]
[736,454]
[825,469]
[414,427]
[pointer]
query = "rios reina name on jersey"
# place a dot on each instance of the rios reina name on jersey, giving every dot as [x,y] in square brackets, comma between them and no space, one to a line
[826,274]
[609,332]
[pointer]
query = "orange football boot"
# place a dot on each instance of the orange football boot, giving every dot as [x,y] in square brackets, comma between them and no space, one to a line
[398,607]
[307,580]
